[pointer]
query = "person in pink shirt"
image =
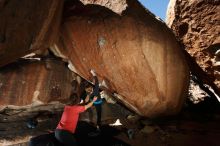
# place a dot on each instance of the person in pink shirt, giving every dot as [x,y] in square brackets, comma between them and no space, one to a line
[65,130]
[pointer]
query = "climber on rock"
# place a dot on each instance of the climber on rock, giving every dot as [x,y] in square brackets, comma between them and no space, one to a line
[91,92]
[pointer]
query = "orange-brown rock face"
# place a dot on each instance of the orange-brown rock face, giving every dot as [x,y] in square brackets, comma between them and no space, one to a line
[26,26]
[197,25]
[26,82]
[134,53]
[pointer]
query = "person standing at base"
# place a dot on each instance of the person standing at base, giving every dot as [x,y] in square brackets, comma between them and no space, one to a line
[65,130]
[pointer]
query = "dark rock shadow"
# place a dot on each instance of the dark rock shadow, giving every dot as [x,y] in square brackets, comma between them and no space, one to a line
[104,138]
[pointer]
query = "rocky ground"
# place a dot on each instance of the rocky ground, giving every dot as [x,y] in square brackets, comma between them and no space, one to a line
[197,124]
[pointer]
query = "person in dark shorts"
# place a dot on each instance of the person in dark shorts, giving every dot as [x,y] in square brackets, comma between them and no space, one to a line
[89,93]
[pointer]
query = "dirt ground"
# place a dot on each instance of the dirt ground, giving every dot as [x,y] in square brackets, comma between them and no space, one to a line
[195,125]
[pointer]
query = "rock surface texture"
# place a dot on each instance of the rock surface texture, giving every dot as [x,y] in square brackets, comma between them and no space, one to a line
[134,54]
[26,26]
[196,24]
[28,82]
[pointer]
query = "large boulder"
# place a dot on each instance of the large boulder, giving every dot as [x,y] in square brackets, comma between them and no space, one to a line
[26,26]
[196,24]
[133,53]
